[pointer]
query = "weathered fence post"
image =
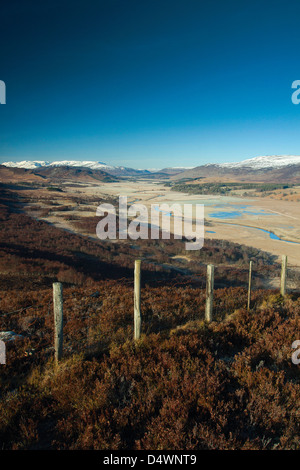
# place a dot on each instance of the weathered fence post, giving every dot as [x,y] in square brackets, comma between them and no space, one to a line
[137,299]
[58,319]
[209,292]
[2,352]
[249,286]
[283,275]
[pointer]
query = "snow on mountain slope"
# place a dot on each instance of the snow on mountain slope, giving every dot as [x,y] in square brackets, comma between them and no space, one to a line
[274,161]
[28,165]
[74,163]
[85,164]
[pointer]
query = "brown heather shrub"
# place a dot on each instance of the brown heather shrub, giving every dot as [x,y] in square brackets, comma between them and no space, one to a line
[184,385]
[228,385]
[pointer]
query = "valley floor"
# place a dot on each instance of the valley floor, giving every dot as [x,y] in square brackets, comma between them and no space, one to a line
[265,223]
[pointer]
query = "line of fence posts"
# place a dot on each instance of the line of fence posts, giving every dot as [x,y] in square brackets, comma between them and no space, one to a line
[209,292]
[58,301]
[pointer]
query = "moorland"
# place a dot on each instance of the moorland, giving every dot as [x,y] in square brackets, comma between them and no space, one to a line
[185,384]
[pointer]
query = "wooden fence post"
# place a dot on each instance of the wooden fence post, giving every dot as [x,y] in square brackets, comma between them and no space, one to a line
[209,293]
[58,319]
[137,299]
[249,286]
[283,275]
[2,352]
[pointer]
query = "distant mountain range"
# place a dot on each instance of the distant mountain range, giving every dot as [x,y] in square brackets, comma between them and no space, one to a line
[266,168]
[277,168]
[41,167]
[110,169]
[274,161]
[31,165]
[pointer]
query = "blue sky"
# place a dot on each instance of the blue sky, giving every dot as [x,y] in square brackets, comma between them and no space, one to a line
[149,84]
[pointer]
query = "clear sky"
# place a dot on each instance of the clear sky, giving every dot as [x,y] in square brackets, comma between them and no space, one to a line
[149,83]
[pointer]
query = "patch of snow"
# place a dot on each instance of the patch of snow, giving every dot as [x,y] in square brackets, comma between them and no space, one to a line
[30,165]
[273,161]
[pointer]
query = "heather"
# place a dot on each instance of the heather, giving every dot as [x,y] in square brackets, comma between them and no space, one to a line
[184,385]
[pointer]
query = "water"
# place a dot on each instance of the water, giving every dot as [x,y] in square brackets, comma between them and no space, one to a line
[225,215]
[236,214]
[157,208]
[275,237]
[271,234]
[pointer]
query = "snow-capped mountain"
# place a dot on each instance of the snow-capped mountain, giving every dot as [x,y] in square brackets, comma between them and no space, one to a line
[26,164]
[85,164]
[276,168]
[30,165]
[92,165]
[273,161]
[40,165]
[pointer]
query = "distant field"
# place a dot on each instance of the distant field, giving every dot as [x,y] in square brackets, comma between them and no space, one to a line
[244,208]
[241,189]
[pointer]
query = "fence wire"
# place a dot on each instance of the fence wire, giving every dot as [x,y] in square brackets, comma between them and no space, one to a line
[95,319]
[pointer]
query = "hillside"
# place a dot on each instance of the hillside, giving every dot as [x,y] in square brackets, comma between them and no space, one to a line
[272,161]
[185,385]
[275,168]
[90,166]
[65,173]
[53,175]
[43,252]
[17,175]
[261,169]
